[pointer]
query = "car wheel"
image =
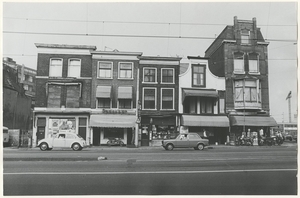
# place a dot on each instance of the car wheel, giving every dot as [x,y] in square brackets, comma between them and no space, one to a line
[76,147]
[170,147]
[44,146]
[121,143]
[200,146]
[196,148]
[49,149]
[108,143]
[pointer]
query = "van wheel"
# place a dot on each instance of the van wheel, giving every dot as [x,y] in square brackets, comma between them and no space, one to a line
[44,146]
[76,147]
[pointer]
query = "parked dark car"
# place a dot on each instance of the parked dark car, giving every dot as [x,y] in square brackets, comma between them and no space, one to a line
[189,140]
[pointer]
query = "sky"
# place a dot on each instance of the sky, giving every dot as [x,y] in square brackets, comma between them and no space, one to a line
[161,28]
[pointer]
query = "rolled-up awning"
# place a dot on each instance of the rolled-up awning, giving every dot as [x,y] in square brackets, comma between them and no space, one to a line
[199,92]
[207,121]
[103,92]
[113,121]
[125,92]
[252,121]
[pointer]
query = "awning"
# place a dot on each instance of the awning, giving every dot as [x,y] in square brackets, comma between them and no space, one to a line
[199,92]
[125,92]
[113,121]
[252,121]
[103,92]
[207,121]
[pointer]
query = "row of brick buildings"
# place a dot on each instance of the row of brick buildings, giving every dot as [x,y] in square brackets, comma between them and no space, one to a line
[144,99]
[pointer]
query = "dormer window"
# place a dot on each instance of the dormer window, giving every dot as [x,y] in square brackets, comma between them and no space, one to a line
[198,72]
[245,36]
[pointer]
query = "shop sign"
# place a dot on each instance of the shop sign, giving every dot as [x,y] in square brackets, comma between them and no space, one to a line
[114,111]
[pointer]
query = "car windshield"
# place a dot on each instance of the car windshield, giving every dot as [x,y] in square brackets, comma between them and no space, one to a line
[79,136]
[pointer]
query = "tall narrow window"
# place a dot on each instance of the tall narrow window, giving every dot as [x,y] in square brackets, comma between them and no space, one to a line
[167,75]
[239,90]
[72,96]
[245,35]
[250,91]
[82,127]
[198,75]
[149,75]
[167,98]
[74,68]
[253,63]
[105,70]
[221,101]
[149,98]
[55,69]
[207,105]
[238,62]
[125,70]
[54,96]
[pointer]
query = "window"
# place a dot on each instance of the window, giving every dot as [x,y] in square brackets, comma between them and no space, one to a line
[54,96]
[73,95]
[246,90]
[245,34]
[25,87]
[253,63]
[82,127]
[124,103]
[105,70]
[126,70]
[221,101]
[207,105]
[74,68]
[198,75]
[149,98]
[55,69]
[167,75]
[104,103]
[113,133]
[167,99]
[238,62]
[190,105]
[250,91]
[149,75]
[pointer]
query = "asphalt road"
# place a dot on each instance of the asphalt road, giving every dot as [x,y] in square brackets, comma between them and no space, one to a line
[237,171]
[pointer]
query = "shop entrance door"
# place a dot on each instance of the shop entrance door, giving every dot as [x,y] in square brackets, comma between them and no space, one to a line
[129,136]
[145,139]
[96,136]
[40,133]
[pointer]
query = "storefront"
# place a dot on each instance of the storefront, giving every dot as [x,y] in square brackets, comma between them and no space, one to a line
[46,124]
[111,124]
[216,127]
[250,125]
[156,128]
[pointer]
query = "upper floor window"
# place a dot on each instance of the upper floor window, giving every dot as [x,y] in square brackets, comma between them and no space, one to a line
[149,98]
[247,90]
[55,69]
[74,68]
[125,104]
[126,70]
[167,98]
[105,70]
[221,101]
[238,62]
[245,36]
[207,105]
[167,75]
[198,75]
[149,75]
[253,63]
[104,103]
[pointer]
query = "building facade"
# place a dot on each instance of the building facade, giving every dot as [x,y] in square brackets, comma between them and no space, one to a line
[240,55]
[63,82]
[202,101]
[158,99]
[114,95]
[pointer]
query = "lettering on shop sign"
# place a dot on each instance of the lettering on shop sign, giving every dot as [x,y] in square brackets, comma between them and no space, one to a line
[110,111]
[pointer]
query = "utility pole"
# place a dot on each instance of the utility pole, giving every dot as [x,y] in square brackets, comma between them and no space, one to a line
[289,102]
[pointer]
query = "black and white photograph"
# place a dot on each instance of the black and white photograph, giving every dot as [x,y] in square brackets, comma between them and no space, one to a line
[136,98]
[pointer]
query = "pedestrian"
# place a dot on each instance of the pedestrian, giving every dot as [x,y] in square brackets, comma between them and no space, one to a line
[204,134]
[261,132]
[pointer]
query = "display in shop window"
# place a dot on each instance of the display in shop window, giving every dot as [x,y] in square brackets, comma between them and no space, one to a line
[62,125]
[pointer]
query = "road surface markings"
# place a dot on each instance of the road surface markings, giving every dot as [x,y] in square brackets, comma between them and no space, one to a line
[147,172]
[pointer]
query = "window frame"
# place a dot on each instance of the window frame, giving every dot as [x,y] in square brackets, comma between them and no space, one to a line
[155,82]
[119,69]
[257,56]
[204,75]
[110,104]
[71,59]
[111,70]
[243,34]
[51,67]
[161,99]
[243,61]
[155,98]
[161,77]
[205,101]
[131,103]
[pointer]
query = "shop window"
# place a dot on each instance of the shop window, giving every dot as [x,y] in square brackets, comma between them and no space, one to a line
[253,63]
[149,75]
[198,75]
[57,125]
[163,132]
[207,105]
[238,62]
[104,103]
[125,103]
[149,101]
[74,68]
[110,133]
[105,70]
[126,70]
[82,127]
[167,99]
[167,75]
[55,69]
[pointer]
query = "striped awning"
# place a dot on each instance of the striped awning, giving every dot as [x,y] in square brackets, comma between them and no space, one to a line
[113,121]
[252,121]
[103,92]
[125,92]
[207,121]
[199,92]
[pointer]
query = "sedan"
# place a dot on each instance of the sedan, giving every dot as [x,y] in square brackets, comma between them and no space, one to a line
[63,140]
[189,140]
